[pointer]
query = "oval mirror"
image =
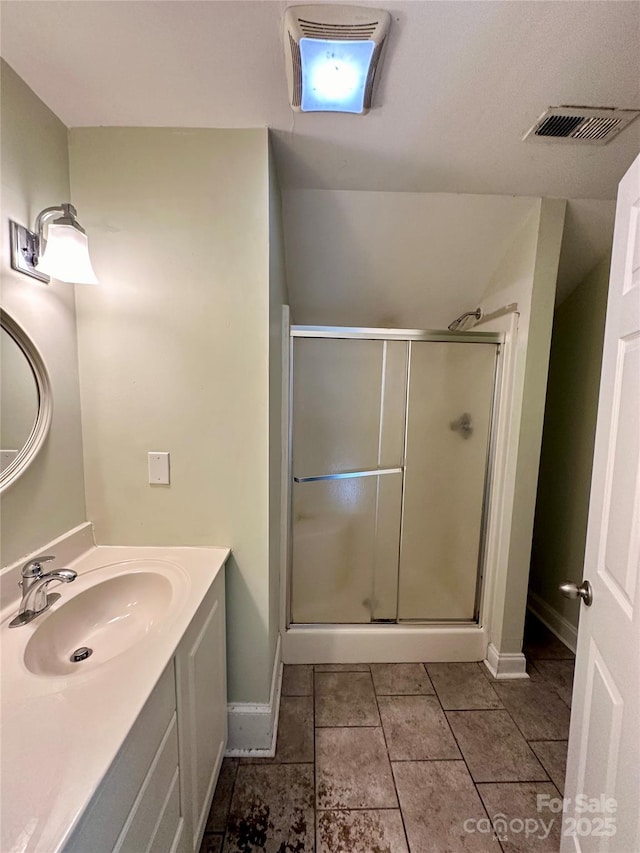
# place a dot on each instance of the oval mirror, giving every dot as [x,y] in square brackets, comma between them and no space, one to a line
[25,401]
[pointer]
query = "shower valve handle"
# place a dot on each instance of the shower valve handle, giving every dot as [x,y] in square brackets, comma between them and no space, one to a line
[463,425]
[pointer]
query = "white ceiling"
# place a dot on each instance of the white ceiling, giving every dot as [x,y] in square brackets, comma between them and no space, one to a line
[461,83]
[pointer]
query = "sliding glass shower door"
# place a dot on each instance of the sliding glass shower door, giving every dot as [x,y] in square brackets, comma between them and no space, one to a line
[450,397]
[390,444]
[348,438]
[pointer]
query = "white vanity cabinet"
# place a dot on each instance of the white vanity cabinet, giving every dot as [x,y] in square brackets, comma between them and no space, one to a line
[157,793]
[201,672]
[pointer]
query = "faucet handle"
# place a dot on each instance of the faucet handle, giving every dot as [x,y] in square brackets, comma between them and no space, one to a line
[33,569]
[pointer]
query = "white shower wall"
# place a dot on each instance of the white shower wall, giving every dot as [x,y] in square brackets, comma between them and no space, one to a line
[395,259]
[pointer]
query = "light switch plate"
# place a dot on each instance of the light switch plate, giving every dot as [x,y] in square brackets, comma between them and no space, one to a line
[158,467]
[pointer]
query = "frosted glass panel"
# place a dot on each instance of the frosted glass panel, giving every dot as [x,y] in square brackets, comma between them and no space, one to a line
[336,410]
[348,405]
[348,416]
[448,419]
[333,550]
[403,545]
[346,536]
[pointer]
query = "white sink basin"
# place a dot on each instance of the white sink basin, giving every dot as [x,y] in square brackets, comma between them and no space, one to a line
[108,616]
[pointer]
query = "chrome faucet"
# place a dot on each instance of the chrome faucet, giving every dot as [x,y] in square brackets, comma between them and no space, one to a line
[34,589]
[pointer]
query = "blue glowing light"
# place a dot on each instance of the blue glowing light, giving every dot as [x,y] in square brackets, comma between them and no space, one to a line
[334,74]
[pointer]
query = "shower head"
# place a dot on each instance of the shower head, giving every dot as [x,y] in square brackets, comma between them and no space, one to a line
[462,321]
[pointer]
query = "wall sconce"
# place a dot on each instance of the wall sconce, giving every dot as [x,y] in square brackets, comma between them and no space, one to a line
[62,254]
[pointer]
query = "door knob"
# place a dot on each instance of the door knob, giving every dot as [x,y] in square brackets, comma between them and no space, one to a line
[572,590]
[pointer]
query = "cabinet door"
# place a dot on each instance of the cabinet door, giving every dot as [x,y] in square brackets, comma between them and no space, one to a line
[202,709]
[105,822]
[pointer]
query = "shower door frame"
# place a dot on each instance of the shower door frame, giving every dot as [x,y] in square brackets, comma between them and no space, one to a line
[409,335]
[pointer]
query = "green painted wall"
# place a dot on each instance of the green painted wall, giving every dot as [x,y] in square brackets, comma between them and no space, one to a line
[567,444]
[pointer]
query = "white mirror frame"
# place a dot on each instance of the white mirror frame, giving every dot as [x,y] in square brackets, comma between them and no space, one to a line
[42,422]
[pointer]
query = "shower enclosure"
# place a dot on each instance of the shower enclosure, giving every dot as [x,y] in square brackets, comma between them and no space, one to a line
[390,441]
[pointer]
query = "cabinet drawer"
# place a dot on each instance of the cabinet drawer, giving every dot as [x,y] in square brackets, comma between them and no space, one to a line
[138,831]
[102,823]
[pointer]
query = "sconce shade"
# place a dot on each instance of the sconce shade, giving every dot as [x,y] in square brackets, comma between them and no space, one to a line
[66,255]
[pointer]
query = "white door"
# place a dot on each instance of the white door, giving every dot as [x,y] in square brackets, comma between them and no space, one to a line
[603,774]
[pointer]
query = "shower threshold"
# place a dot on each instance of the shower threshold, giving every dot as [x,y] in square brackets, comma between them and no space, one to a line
[385,643]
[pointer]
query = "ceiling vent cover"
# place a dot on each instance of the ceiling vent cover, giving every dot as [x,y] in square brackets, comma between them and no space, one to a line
[333,56]
[585,125]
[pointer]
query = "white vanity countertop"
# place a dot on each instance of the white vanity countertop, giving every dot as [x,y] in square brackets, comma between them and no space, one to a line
[60,733]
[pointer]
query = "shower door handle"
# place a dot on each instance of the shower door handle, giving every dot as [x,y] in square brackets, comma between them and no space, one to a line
[347,475]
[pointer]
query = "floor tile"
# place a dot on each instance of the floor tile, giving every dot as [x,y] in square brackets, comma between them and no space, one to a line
[533,673]
[295,730]
[363,831]
[520,826]
[219,812]
[484,669]
[559,674]
[416,728]
[295,733]
[272,809]
[211,843]
[441,807]
[461,686]
[353,770]
[552,754]
[493,748]
[345,699]
[396,679]
[538,711]
[541,643]
[297,680]
[268,805]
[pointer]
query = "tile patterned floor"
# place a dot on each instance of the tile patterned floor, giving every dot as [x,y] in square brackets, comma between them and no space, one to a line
[404,758]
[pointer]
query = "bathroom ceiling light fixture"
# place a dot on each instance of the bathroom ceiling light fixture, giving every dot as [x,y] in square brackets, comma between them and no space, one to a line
[333,56]
[62,254]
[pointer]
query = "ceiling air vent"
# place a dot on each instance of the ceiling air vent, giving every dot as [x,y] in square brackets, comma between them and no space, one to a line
[580,125]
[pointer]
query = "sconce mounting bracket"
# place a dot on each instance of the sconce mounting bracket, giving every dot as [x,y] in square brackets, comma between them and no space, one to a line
[24,251]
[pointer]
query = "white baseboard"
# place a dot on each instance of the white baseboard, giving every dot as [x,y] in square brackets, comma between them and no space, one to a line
[253,728]
[383,643]
[554,621]
[505,666]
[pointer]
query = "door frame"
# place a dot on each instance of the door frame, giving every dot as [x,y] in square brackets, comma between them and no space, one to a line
[381,334]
